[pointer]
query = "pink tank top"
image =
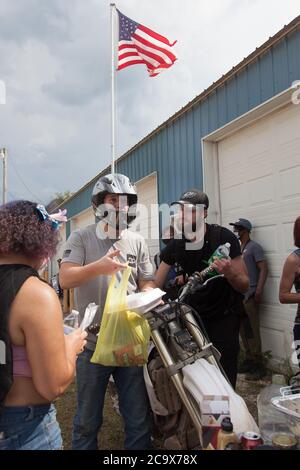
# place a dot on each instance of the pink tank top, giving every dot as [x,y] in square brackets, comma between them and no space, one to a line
[21,367]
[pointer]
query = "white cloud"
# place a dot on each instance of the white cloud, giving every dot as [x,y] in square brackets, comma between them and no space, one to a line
[55,61]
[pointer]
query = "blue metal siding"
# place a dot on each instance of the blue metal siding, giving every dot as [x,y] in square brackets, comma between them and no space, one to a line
[204,129]
[213,117]
[174,152]
[254,92]
[242,93]
[170,175]
[231,95]
[177,153]
[190,144]
[267,76]
[293,45]
[197,144]
[280,66]
[222,110]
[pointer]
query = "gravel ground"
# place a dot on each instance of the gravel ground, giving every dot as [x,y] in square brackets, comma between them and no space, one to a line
[112,436]
[250,390]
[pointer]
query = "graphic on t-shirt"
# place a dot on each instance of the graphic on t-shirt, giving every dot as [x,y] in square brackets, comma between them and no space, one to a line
[131,260]
[67,253]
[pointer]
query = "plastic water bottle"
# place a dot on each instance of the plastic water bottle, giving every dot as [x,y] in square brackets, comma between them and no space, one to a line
[222,252]
[270,420]
[71,322]
[76,318]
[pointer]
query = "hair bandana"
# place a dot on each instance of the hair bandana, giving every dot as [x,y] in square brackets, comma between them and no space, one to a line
[56,219]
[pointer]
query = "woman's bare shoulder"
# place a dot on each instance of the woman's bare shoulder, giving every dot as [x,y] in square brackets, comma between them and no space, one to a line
[293,259]
[291,264]
[35,287]
[36,297]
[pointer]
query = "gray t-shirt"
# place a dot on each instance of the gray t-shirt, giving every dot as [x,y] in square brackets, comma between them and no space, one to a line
[84,246]
[252,254]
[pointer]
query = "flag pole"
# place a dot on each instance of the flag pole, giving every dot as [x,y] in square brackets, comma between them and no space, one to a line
[113,88]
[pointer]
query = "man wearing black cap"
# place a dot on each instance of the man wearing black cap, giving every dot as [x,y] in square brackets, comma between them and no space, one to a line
[258,270]
[219,304]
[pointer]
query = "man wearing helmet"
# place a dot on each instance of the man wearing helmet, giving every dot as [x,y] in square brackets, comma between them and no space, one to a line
[114,201]
[220,302]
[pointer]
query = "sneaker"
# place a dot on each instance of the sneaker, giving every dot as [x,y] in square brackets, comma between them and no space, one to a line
[257,373]
[246,366]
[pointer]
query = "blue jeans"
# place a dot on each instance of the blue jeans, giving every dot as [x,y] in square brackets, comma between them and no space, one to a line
[92,381]
[29,428]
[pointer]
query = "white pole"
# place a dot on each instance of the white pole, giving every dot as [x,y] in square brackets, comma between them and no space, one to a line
[113,88]
[4,155]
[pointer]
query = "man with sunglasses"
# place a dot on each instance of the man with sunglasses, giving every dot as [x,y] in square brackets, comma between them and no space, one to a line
[220,302]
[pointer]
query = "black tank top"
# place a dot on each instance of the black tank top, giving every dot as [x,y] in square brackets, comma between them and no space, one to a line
[12,277]
[297,289]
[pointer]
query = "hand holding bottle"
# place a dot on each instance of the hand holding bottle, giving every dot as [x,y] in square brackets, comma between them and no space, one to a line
[75,342]
[220,260]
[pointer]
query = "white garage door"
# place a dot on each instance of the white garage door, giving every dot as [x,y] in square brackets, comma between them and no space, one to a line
[259,171]
[147,221]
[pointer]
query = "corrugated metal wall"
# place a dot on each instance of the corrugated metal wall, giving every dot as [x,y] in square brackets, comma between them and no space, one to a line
[175,151]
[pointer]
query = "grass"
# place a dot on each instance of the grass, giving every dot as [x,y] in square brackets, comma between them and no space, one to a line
[111,436]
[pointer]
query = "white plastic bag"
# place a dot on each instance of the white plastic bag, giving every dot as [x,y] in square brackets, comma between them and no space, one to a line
[71,322]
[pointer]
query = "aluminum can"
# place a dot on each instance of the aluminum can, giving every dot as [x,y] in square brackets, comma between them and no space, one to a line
[250,440]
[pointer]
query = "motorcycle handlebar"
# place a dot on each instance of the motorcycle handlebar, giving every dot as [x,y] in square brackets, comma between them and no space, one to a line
[195,282]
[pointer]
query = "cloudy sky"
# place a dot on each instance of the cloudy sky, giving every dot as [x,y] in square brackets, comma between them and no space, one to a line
[55,62]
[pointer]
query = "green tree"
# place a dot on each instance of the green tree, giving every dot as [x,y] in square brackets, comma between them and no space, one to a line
[58,200]
[61,197]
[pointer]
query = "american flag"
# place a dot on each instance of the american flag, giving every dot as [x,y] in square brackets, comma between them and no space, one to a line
[140,45]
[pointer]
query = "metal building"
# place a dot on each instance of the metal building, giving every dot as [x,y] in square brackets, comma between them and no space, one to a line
[239,140]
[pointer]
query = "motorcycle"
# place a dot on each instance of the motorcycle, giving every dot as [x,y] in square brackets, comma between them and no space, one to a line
[188,389]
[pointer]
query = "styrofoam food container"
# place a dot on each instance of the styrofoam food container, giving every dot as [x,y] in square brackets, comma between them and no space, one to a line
[142,302]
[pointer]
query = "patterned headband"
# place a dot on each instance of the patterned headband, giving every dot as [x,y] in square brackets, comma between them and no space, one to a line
[56,219]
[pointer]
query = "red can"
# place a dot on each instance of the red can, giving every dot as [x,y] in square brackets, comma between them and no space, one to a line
[250,440]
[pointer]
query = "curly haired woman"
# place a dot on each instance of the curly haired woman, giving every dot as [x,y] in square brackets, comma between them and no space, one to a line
[37,361]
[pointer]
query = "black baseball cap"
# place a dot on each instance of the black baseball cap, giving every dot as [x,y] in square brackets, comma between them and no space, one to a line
[194,197]
[244,223]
